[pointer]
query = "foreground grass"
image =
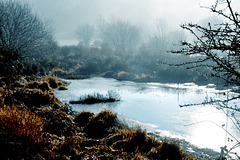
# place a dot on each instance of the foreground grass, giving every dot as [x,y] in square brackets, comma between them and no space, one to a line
[34,124]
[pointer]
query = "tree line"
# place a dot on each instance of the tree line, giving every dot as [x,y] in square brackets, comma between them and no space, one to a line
[27,47]
[115,48]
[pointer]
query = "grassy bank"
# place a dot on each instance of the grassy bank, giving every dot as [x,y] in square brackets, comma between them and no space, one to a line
[34,124]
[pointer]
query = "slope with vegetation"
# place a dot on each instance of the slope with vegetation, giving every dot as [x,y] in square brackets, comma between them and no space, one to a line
[34,124]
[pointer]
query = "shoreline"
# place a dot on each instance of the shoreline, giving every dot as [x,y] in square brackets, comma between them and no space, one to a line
[147,79]
[186,145]
[61,134]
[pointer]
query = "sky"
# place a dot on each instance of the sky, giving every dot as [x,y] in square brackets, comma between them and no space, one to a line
[66,16]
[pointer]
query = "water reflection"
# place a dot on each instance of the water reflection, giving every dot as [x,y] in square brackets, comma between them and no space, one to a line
[158,104]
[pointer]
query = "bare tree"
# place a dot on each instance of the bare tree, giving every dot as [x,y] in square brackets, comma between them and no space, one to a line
[158,39]
[22,33]
[121,35]
[217,47]
[220,46]
[85,33]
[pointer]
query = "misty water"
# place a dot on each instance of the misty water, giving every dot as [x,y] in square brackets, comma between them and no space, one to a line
[155,107]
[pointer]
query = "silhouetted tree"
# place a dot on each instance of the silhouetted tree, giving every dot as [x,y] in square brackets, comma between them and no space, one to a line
[85,33]
[221,46]
[22,35]
[217,47]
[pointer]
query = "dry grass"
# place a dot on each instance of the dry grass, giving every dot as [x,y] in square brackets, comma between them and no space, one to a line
[43,85]
[107,116]
[134,141]
[83,118]
[100,124]
[21,125]
[34,97]
[52,79]
[57,122]
[121,73]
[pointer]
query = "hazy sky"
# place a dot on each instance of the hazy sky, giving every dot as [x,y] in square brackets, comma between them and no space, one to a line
[67,15]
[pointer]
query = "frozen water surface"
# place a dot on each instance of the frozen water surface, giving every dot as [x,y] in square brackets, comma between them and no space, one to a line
[155,106]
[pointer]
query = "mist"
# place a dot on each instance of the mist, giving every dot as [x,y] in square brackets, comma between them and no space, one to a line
[67,15]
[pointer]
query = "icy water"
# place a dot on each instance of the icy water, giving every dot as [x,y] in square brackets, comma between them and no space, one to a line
[155,107]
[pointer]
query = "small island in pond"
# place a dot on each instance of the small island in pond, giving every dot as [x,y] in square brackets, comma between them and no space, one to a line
[111,96]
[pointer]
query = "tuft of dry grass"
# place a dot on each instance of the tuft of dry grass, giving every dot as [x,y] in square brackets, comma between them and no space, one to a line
[99,124]
[121,73]
[2,95]
[107,116]
[83,118]
[34,97]
[53,82]
[57,122]
[21,125]
[51,79]
[134,141]
[166,150]
[42,85]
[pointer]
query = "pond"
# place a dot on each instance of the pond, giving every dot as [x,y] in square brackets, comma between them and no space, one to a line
[155,107]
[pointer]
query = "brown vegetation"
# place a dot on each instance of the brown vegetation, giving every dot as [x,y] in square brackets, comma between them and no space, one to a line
[21,132]
[21,124]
